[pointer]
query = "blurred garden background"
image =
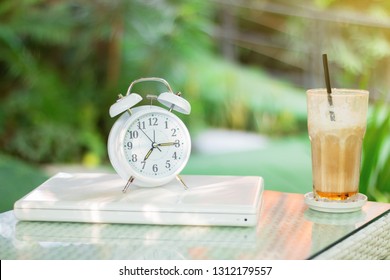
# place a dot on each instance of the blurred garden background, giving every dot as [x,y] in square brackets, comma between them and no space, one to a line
[243,65]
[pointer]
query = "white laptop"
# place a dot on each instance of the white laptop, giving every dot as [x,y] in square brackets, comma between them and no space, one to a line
[98,198]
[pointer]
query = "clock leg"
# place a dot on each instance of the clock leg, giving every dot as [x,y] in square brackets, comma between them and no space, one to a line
[131,179]
[182,182]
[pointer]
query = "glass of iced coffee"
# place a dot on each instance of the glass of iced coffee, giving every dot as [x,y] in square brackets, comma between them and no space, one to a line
[336,143]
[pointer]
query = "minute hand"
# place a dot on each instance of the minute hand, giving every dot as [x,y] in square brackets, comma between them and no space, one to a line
[167,144]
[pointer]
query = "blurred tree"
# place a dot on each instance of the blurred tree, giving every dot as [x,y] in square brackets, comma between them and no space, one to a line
[289,37]
[61,61]
[50,58]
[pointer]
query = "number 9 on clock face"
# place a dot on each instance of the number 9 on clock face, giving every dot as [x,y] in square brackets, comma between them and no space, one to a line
[152,145]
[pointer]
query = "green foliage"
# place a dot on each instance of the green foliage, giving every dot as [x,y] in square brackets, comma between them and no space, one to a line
[353,34]
[65,62]
[48,55]
[243,99]
[375,173]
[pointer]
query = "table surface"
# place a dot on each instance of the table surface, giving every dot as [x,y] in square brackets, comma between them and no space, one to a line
[287,229]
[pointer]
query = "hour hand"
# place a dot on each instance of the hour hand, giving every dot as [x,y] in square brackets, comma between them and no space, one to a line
[148,153]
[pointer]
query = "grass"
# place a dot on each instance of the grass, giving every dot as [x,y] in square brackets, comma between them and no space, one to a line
[17,179]
[285,164]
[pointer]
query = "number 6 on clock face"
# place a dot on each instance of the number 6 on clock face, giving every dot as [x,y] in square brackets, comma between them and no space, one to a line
[153,145]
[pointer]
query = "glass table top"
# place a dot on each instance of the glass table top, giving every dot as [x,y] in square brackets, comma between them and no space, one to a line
[287,229]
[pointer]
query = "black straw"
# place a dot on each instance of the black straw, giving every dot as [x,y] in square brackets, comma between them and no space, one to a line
[328,87]
[326,72]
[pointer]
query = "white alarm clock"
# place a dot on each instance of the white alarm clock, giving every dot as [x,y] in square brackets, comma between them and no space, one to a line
[148,145]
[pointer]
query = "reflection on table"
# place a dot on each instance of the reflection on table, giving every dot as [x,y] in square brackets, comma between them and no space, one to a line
[287,229]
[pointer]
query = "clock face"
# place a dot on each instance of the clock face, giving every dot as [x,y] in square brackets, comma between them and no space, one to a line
[156,144]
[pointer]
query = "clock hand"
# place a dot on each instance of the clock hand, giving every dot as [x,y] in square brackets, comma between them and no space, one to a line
[154,145]
[149,138]
[146,134]
[166,144]
[148,153]
[154,141]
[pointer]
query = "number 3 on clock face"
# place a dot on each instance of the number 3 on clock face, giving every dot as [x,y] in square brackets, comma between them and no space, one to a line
[153,145]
